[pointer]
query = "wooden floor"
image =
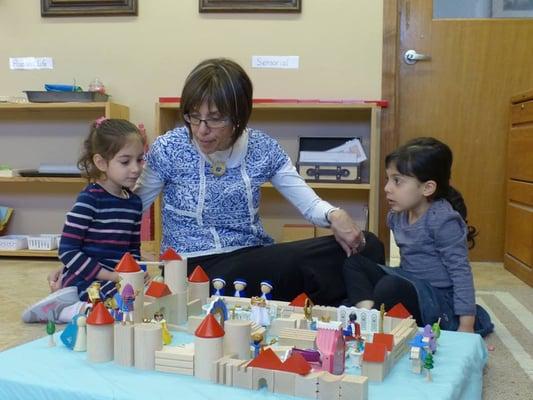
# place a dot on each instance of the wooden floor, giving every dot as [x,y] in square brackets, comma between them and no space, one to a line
[23,282]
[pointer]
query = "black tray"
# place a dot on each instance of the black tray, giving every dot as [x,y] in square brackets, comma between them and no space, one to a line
[34,173]
[64,97]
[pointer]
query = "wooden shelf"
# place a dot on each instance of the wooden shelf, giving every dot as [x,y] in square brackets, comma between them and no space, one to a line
[330,185]
[53,106]
[43,179]
[29,253]
[299,106]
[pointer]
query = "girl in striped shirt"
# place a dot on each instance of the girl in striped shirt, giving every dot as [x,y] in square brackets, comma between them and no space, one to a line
[103,224]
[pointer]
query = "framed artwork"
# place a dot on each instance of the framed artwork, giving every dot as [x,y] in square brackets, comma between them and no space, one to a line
[77,8]
[512,8]
[250,6]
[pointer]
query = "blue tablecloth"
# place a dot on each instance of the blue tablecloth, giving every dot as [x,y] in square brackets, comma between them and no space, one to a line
[35,371]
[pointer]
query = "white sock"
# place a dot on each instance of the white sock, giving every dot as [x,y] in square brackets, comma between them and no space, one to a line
[368,304]
[69,312]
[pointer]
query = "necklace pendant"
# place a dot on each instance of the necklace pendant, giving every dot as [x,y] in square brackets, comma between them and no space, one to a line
[218,168]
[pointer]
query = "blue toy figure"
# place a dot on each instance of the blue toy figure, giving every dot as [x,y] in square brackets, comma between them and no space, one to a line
[69,335]
[128,298]
[240,285]
[218,284]
[266,289]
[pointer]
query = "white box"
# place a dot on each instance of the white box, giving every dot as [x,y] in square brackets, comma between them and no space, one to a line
[13,242]
[42,242]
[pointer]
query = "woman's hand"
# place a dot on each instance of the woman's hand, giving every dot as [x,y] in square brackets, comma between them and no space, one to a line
[466,323]
[346,232]
[54,280]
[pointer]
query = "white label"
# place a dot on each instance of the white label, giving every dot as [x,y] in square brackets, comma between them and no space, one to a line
[277,62]
[31,63]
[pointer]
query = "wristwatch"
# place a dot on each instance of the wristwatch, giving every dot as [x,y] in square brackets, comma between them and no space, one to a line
[329,212]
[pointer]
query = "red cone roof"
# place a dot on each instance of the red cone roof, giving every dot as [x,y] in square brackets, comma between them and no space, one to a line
[100,316]
[198,275]
[296,363]
[209,328]
[127,264]
[169,255]
[266,359]
[398,311]
[299,301]
[158,289]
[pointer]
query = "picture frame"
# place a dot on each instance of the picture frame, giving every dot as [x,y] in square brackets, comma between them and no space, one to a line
[250,6]
[77,8]
[512,8]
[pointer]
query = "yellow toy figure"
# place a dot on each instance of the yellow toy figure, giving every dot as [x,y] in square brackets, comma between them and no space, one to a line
[158,319]
[94,293]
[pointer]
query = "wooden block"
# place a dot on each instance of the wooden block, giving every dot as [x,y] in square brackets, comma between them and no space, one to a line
[319,232]
[167,362]
[284,382]
[193,322]
[375,372]
[176,353]
[194,307]
[147,340]
[231,365]
[123,344]
[219,373]
[354,387]
[293,232]
[174,370]
[242,376]
[307,386]
[277,324]
[261,378]
[329,386]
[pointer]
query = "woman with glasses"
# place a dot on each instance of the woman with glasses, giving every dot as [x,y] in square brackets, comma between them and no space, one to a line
[210,173]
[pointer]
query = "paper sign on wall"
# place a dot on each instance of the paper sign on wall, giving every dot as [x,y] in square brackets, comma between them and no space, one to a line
[31,63]
[276,62]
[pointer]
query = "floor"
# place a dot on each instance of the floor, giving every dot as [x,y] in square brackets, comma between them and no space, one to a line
[23,281]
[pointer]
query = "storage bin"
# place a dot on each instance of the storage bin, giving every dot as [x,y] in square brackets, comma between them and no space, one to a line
[13,242]
[42,242]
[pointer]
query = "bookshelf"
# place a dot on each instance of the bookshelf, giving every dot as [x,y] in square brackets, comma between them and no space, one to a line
[286,121]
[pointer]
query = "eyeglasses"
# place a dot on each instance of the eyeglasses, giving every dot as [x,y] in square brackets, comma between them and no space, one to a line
[209,122]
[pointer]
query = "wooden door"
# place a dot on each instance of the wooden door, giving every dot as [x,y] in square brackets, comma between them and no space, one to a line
[461,96]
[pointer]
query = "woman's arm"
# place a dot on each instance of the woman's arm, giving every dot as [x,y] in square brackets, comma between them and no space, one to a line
[148,186]
[319,212]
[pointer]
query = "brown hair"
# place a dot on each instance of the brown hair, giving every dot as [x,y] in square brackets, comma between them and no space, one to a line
[107,137]
[223,83]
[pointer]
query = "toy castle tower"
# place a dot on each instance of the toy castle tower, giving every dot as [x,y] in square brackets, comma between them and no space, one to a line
[198,285]
[208,347]
[100,334]
[131,273]
[176,279]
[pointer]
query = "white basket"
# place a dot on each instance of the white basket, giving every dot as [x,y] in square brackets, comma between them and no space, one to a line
[13,242]
[42,242]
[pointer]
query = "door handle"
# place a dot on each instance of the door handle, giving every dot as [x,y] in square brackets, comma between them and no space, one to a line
[411,57]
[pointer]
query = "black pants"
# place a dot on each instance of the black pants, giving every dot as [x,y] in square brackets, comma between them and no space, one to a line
[365,280]
[313,266]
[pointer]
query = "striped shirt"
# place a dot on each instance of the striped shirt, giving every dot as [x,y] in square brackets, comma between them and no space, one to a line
[98,230]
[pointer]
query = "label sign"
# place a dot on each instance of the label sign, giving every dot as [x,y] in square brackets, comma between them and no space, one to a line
[276,62]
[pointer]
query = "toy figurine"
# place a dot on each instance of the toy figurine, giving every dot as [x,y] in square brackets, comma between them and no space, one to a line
[51,329]
[94,293]
[257,338]
[128,298]
[159,319]
[218,284]
[240,285]
[74,336]
[436,329]
[259,311]
[429,339]
[353,332]
[266,288]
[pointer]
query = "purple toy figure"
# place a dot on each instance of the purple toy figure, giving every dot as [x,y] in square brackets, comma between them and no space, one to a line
[266,288]
[428,337]
[240,285]
[128,297]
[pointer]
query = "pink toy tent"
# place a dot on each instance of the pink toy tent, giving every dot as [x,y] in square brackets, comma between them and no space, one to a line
[330,344]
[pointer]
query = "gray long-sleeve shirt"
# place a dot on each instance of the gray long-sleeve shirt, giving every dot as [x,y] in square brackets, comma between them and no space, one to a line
[434,249]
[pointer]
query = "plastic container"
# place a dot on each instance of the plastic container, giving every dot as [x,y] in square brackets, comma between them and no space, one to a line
[64,97]
[43,242]
[13,242]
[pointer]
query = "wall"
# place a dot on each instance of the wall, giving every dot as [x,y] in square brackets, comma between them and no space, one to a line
[142,58]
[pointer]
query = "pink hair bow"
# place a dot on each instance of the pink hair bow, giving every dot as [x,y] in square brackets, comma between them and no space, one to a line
[99,121]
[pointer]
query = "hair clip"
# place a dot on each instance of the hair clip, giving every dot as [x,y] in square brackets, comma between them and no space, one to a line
[99,121]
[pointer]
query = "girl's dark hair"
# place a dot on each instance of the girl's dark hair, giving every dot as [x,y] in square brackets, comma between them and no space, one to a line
[107,137]
[426,159]
[223,83]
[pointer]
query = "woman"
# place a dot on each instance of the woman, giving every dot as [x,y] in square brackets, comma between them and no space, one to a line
[210,173]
